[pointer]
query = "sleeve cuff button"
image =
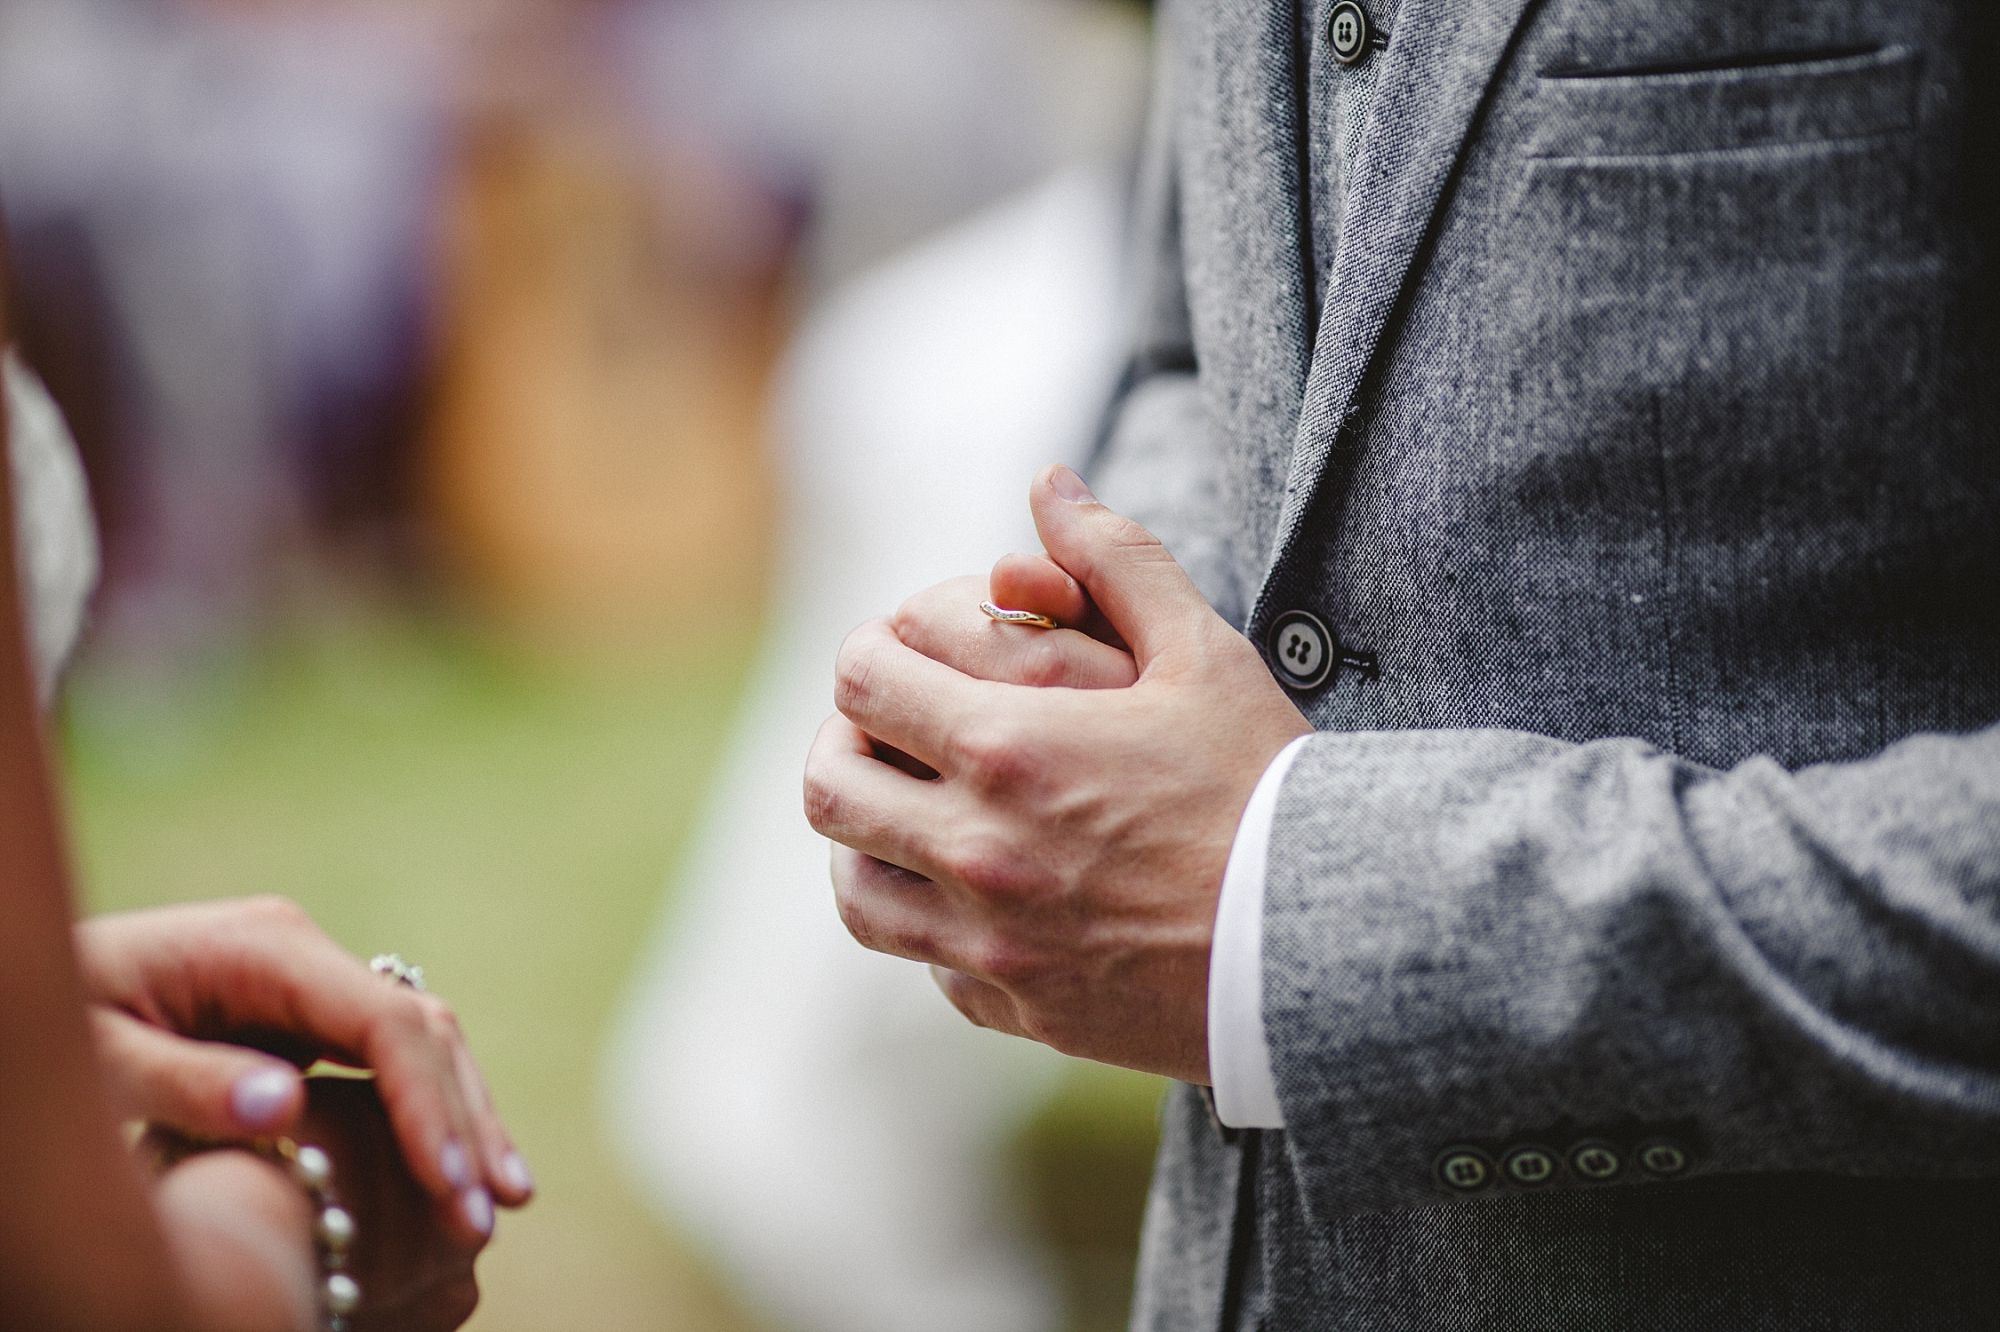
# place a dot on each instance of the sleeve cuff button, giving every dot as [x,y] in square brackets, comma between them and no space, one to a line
[1662,1159]
[1595,1161]
[1464,1169]
[1529,1166]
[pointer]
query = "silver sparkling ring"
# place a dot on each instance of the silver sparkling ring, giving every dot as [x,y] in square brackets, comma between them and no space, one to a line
[396,969]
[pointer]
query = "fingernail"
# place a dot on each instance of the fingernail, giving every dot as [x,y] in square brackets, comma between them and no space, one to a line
[477,1204]
[453,1161]
[260,1097]
[515,1171]
[1070,486]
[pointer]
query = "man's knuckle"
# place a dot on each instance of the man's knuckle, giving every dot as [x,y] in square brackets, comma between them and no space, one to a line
[974,1012]
[992,753]
[1003,962]
[902,934]
[911,619]
[906,940]
[1036,1026]
[853,903]
[1054,1027]
[877,935]
[921,612]
[1045,663]
[822,797]
[985,865]
[855,666]
[853,912]
[973,1001]
[852,687]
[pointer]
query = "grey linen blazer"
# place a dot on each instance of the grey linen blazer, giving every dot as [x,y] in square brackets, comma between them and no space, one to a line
[1632,933]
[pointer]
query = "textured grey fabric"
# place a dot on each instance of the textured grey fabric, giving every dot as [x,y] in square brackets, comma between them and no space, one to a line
[1642,425]
[1802,968]
[1338,97]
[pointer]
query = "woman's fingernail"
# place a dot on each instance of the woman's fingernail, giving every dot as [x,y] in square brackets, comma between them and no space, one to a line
[259,1098]
[453,1161]
[515,1171]
[1070,486]
[477,1204]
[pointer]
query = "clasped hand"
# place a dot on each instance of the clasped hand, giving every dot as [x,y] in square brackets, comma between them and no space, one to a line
[202,1015]
[1045,815]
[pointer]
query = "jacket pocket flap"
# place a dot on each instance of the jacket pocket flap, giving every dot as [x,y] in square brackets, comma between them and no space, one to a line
[1704,110]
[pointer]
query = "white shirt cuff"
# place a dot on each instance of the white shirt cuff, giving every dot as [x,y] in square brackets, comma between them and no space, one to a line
[1239,1058]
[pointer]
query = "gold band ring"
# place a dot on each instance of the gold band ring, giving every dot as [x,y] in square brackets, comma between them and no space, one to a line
[1017,616]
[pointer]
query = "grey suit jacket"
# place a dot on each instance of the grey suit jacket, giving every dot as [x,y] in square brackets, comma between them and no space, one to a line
[1632,933]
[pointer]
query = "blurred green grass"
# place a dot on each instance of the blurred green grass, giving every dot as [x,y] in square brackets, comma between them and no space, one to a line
[508,818]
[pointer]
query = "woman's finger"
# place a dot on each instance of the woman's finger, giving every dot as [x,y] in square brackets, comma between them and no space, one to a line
[261,966]
[410,1255]
[202,1088]
[507,1174]
[414,1051]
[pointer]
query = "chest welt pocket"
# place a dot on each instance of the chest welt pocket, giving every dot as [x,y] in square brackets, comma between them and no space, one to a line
[1643,113]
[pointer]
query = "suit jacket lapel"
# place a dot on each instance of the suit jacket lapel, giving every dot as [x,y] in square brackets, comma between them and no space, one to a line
[1246,238]
[1442,59]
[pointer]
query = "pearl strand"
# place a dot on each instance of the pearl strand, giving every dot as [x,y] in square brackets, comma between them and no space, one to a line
[333,1227]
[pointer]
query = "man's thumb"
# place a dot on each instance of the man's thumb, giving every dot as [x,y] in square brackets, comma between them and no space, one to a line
[1146,596]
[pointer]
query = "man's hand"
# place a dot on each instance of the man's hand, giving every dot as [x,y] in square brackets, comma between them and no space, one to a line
[1062,867]
[203,1013]
[946,625]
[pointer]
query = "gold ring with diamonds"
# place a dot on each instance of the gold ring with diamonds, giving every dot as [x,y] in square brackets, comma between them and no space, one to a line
[1017,616]
[396,969]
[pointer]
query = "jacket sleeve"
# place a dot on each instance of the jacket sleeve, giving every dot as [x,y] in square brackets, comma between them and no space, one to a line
[1495,961]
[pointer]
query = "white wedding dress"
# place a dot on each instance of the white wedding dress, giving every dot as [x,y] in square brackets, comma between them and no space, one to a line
[817,1115]
[54,535]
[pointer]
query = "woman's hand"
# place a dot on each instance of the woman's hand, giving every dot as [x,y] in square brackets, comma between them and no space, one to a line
[203,1015]
[238,1235]
[240,1228]
[413,1265]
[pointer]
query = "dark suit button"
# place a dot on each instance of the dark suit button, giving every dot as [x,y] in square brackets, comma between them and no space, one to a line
[1595,1161]
[1663,1159]
[1303,649]
[1464,1169]
[1529,1166]
[1347,33]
